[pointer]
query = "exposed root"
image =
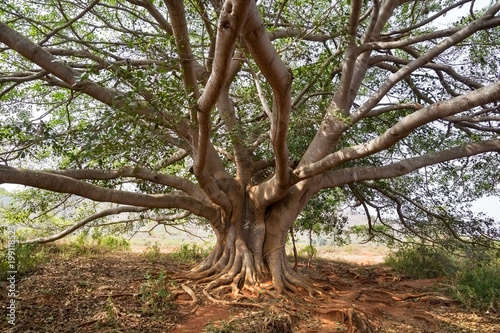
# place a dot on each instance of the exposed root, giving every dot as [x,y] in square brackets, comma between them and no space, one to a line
[427,320]
[234,265]
[221,290]
[190,293]
[224,302]
[356,321]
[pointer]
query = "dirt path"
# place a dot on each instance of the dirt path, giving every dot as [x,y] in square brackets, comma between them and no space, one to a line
[109,293]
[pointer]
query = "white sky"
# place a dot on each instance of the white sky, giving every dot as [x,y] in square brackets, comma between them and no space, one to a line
[488,205]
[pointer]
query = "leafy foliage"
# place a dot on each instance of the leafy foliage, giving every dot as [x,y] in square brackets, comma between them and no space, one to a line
[422,261]
[148,122]
[478,286]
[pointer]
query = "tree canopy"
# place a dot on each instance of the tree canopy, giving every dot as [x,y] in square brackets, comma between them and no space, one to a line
[237,113]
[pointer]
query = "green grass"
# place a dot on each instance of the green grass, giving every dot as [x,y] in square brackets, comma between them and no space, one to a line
[475,279]
[29,256]
[479,287]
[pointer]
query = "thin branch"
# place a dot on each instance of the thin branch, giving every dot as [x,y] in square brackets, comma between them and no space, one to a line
[63,184]
[457,37]
[69,23]
[78,225]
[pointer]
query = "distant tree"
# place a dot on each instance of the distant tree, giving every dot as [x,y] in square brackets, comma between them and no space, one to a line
[322,215]
[239,112]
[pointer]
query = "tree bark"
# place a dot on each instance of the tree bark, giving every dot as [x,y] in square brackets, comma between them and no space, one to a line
[250,249]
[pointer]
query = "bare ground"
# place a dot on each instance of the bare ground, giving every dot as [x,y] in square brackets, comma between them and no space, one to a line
[104,293]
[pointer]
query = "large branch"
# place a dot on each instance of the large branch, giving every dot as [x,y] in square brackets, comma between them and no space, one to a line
[279,78]
[93,217]
[136,172]
[181,34]
[40,56]
[457,37]
[63,184]
[354,69]
[340,177]
[242,155]
[231,20]
[345,88]
[403,128]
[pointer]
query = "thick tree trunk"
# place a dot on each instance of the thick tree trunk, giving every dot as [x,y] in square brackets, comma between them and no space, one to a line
[250,251]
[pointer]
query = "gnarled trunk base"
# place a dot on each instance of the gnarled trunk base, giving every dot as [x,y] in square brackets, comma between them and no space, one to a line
[237,263]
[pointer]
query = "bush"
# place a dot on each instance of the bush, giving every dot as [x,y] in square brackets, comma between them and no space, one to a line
[421,261]
[479,287]
[474,272]
[114,243]
[190,254]
[27,256]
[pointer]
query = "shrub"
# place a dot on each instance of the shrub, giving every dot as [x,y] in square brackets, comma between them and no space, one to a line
[421,261]
[479,287]
[474,272]
[190,254]
[114,243]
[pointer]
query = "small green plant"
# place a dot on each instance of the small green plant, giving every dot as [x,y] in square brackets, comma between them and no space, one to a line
[190,254]
[111,312]
[156,295]
[479,287]
[223,327]
[311,253]
[152,252]
[421,261]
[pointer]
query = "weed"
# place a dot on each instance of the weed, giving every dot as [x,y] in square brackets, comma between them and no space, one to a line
[156,295]
[152,252]
[223,327]
[111,312]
